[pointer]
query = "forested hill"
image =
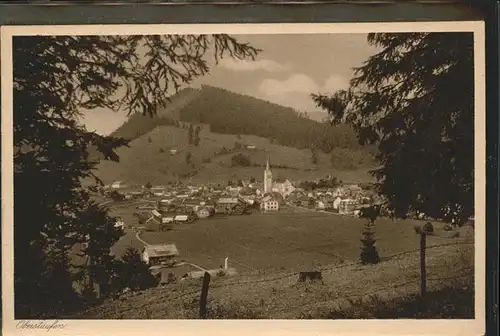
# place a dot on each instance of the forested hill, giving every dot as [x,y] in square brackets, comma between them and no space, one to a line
[138,125]
[230,113]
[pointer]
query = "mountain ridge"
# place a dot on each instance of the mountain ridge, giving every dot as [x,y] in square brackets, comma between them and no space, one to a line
[302,149]
[233,113]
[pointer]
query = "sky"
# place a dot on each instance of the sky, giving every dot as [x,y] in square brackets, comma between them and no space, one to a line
[287,71]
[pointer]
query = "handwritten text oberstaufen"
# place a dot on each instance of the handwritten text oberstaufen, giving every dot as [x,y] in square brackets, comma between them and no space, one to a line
[43,325]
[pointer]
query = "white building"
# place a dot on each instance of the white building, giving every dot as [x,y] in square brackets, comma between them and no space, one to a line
[119,223]
[284,187]
[320,205]
[181,218]
[347,206]
[339,192]
[270,205]
[118,185]
[336,202]
[203,213]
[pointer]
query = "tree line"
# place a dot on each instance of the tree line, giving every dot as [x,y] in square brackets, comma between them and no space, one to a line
[56,79]
[414,100]
[231,113]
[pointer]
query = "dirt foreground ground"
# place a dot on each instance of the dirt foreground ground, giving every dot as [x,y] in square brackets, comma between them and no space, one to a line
[281,296]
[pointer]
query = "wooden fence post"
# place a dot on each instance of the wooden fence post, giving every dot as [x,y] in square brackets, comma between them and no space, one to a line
[204,294]
[423,276]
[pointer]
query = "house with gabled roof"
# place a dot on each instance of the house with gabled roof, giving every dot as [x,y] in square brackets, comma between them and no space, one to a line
[160,254]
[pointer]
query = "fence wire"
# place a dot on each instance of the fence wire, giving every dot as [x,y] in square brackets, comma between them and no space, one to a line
[328,268]
[192,295]
[374,292]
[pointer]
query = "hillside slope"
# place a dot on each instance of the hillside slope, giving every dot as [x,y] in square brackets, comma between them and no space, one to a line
[280,296]
[138,125]
[148,159]
[228,121]
[231,113]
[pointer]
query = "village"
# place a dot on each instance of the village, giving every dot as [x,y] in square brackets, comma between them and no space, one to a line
[178,203]
[162,208]
[160,212]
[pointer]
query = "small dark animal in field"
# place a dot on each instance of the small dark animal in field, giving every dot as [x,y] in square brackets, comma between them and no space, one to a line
[303,276]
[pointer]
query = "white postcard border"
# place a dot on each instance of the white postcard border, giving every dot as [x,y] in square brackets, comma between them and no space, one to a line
[262,327]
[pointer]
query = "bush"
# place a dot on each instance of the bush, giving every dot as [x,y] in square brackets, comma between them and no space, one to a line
[134,273]
[116,196]
[428,228]
[240,160]
[161,150]
[369,253]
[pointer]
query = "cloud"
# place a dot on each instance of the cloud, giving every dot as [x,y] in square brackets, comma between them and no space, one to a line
[249,65]
[298,83]
[296,90]
[334,83]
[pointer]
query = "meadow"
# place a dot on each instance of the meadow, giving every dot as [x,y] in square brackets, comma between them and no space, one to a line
[268,250]
[148,160]
[288,240]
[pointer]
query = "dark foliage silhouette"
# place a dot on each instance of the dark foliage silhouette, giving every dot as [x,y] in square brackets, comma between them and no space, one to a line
[56,80]
[415,100]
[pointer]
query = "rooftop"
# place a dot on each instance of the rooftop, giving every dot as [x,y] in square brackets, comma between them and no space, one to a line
[280,180]
[227,200]
[162,250]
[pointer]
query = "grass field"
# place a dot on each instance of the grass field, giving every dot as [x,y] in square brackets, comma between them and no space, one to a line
[385,290]
[268,250]
[163,168]
[288,240]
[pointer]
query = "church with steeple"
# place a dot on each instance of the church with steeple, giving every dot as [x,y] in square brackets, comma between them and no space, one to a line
[281,186]
[268,178]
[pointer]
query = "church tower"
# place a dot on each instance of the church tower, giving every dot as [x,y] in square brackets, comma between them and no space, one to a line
[268,178]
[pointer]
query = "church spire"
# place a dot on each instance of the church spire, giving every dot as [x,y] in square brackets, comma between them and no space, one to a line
[268,178]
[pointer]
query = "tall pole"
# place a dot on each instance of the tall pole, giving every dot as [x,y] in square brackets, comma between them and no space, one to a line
[423,280]
[204,294]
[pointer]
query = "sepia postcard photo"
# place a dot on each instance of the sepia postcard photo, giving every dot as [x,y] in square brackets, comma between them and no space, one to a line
[304,178]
